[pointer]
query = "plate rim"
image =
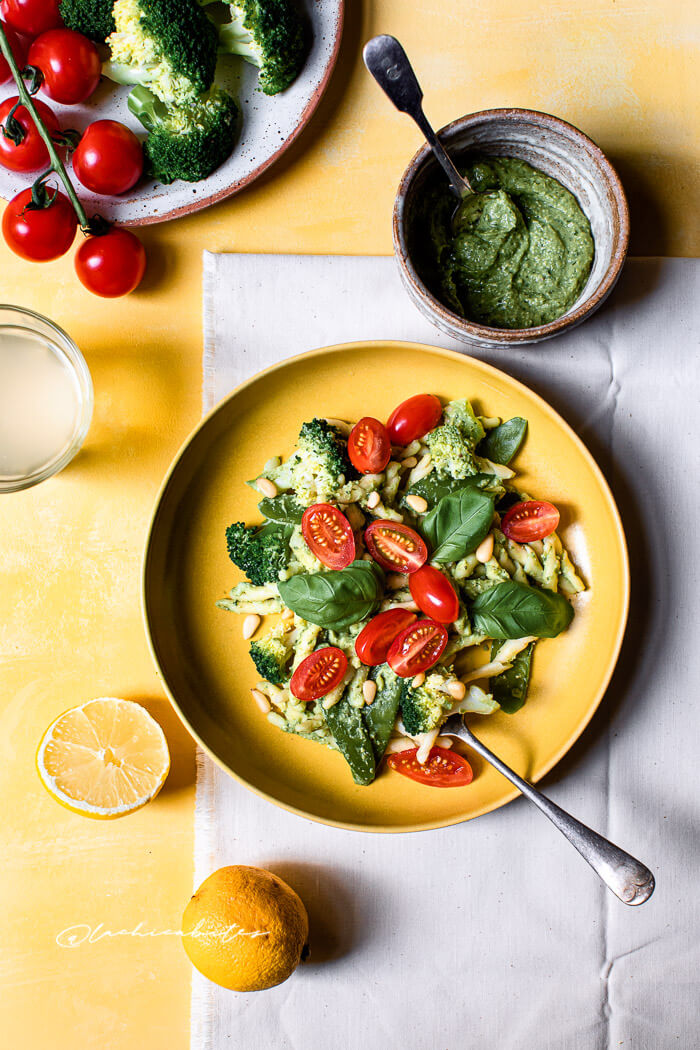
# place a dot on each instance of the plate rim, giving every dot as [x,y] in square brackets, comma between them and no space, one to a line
[489,370]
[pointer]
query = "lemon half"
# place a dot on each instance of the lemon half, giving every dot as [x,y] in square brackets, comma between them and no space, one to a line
[104,759]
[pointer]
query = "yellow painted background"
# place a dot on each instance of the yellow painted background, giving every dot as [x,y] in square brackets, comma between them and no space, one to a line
[70,625]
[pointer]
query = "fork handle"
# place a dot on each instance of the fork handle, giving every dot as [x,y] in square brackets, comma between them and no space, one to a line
[628,878]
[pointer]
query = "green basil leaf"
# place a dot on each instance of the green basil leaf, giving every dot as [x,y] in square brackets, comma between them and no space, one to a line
[432,487]
[283,509]
[458,523]
[336,598]
[502,443]
[510,688]
[513,610]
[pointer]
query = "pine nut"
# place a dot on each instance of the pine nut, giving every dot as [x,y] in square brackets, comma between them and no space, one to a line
[288,614]
[444,741]
[410,461]
[367,557]
[373,499]
[250,625]
[369,691]
[456,689]
[261,700]
[418,680]
[417,503]
[267,487]
[485,549]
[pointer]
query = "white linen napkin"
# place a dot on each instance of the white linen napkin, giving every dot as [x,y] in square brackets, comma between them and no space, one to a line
[495,934]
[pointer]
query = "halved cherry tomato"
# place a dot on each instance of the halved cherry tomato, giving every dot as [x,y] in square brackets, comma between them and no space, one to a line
[30,154]
[328,535]
[374,640]
[19,52]
[70,65]
[417,648]
[31,17]
[397,547]
[442,769]
[320,672]
[369,447]
[434,594]
[530,520]
[414,418]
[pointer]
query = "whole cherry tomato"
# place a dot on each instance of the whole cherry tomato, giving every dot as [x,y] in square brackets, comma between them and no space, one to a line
[112,264]
[31,17]
[108,158]
[396,547]
[374,640]
[69,63]
[434,594]
[30,154]
[369,447]
[442,769]
[532,519]
[19,52]
[414,418]
[39,234]
[417,648]
[328,535]
[319,673]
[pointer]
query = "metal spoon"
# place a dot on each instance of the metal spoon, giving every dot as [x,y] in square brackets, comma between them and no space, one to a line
[629,879]
[387,62]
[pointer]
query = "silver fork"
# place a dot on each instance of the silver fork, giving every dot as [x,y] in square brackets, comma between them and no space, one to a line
[629,879]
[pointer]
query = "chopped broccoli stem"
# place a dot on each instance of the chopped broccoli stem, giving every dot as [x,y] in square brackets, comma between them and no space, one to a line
[269,34]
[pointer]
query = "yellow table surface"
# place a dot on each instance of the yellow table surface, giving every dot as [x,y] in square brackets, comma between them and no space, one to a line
[70,623]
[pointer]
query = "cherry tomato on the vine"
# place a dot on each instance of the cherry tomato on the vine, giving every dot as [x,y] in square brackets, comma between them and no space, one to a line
[369,447]
[31,17]
[442,769]
[39,234]
[374,640]
[111,264]
[530,520]
[434,594]
[319,673]
[396,547]
[108,158]
[328,535]
[417,648]
[413,418]
[19,52]
[69,63]
[30,154]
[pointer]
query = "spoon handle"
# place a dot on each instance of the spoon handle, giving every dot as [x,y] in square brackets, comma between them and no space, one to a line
[388,63]
[629,879]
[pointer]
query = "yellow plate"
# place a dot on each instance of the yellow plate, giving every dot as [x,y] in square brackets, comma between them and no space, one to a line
[204,659]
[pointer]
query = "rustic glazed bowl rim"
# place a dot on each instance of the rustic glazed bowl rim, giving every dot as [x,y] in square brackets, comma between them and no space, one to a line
[513,335]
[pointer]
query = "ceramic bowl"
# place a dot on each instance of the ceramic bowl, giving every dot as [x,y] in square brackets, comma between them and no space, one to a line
[559,150]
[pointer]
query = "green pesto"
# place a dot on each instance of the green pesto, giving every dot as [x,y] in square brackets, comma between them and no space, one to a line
[518,253]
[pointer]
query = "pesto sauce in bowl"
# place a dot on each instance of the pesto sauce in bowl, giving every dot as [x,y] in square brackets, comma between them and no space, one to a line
[519,252]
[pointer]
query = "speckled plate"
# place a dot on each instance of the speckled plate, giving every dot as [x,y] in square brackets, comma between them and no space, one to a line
[268,128]
[199,648]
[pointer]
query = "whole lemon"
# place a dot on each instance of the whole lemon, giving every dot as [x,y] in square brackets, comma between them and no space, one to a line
[245,929]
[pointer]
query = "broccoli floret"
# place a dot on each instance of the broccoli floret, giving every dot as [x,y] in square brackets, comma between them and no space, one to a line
[92,18]
[269,34]
[426,707]
[186,142]
[461,415]
[271,656]
[262,553]
[318,469]
[451,453]
[170,46]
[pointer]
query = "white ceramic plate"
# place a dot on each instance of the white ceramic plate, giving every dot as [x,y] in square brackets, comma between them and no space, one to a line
[269,126]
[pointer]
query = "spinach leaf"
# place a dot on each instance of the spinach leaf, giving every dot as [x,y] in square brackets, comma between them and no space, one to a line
[283,509]
[380,716]
[458,523]
[432,487]
[502,443]
[350,734]
[513,610]
[510,688]
[337,598]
